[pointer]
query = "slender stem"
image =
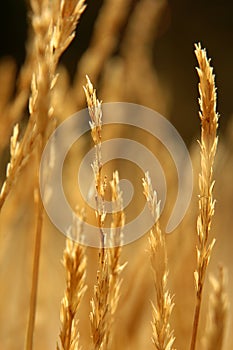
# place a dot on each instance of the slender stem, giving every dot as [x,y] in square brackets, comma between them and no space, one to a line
[35,277]
[196,321]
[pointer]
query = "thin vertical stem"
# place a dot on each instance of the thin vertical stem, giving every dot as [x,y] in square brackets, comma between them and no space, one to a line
[35,276]
[196,323]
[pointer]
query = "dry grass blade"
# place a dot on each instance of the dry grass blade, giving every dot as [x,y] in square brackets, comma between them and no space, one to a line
[162,336]
[74,261]
[218,308]
[208,145]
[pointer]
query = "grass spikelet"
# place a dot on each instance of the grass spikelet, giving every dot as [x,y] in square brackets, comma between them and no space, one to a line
[218,309]
[74,261]
[208,146]
[162,336]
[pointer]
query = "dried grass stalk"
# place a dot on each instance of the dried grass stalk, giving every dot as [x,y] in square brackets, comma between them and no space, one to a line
[33,139]
[218,309]
[163,336]
[107,288]
[99,316]
[95,111]
[74,261]
[208,145]
[54,29]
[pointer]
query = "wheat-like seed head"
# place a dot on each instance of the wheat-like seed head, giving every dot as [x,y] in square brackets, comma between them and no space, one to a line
[54,28]
[118,216]
[95,111]
[107,288]
[151,197]
[208,146]
[162,336]
[99,315]
[74,261]
[50,42]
